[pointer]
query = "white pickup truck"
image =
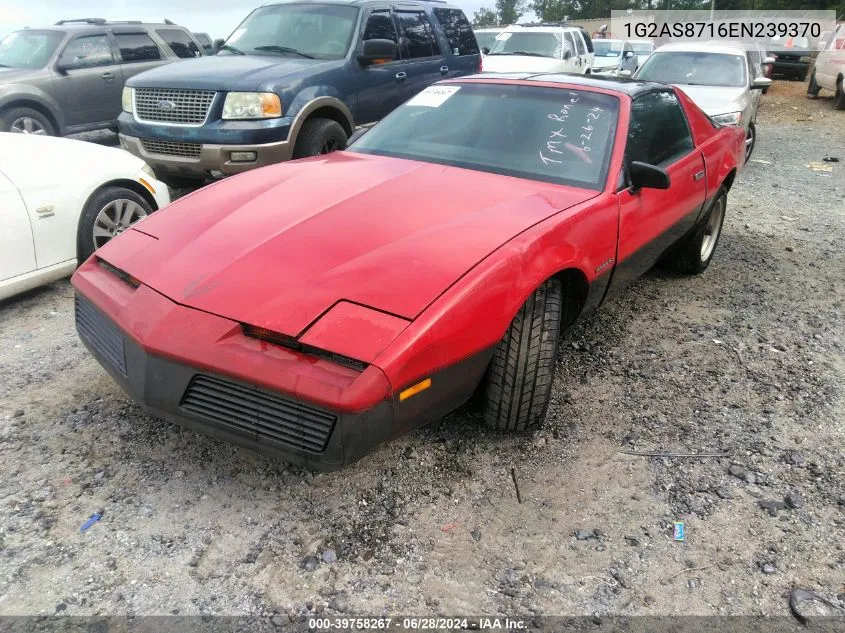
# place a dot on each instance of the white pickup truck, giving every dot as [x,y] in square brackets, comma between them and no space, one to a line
[830,67]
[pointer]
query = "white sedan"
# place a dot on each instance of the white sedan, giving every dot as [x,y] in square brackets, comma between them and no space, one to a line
[62,199]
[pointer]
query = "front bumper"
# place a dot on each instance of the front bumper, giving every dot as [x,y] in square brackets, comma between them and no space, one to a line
[201,371]
[211,158]
[788,67]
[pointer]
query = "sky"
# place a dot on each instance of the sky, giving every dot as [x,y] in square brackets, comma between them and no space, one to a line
[218,18]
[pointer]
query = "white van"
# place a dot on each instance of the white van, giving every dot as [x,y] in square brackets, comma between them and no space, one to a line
[541,48]
[830,68]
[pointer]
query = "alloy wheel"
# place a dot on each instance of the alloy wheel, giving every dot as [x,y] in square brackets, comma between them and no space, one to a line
[713,228]
[114,218]
[27,125]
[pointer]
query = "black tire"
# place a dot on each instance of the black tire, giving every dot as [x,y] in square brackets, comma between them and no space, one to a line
[10,117]
[85,244]
[689,255]
[813,88]
[319,136]
[839,103]
[519,380]
[749,149]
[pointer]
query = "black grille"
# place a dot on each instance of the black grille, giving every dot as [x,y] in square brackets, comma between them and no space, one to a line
[101,333]
[164,105]
[261,415]
[171,148]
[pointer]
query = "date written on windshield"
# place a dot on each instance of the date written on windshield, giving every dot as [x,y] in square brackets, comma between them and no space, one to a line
[574,132]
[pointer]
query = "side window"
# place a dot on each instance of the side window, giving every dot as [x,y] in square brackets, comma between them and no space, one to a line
[88,51]
[380,27]
[416,35]
[458,31]
[658,133]
[136,47]
[179,42]
[568,43]
[587,40]
[579,43]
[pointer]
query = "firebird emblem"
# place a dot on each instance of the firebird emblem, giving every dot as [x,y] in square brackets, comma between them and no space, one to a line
[166,105]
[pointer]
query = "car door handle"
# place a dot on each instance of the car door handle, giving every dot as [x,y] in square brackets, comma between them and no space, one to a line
[444,70]
[699,175]
[109,77]
[401,76]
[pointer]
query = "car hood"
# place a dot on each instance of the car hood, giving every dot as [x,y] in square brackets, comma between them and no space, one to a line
[717,99]
[12,75]
[602,62]
[520,63]
[38,158]
[229,72]
[278,247]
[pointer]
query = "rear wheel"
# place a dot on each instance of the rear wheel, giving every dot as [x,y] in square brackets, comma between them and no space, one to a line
[26,121]
[519,381]
[319,136]
[813,88]
[694,253]
[105,216]
[839,104]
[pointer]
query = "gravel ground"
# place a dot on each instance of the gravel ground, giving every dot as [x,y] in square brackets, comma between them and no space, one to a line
[745,361]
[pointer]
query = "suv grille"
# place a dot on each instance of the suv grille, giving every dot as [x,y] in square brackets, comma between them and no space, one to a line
[186,107]
[101,333]
[258,414]
[171,148]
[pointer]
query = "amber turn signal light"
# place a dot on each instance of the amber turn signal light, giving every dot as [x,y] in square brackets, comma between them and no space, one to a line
[412,391]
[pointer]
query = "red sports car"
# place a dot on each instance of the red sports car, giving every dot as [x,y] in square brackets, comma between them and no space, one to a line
[318,308]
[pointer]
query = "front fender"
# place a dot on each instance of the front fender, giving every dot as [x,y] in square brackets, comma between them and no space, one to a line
[309,106]
[13,94]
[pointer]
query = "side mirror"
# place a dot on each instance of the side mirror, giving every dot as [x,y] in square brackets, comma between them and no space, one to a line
[629,54]
[645,176]
[218,44]
[485,50]
[357,134]
[377,52]
[768,61]
[567,55]
[63,67]
[624,73]
[760,83]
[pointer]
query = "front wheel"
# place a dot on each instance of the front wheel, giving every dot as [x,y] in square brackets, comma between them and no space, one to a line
[750,140]
[694,254]
[106,215]
[519,381]
[839,103]
[320,136]
[26,121]
[813,87]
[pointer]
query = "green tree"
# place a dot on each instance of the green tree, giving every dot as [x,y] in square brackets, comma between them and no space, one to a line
[553,10]
[510,11]
[484,17]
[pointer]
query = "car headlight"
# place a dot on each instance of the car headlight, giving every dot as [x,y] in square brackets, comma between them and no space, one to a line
[252,105]
[149,171]
[730,118]
[127,98]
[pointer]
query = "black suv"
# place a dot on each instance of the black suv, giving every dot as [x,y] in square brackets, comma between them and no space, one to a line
[69,77]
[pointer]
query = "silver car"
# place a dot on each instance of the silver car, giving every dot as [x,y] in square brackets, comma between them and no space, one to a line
[718,78]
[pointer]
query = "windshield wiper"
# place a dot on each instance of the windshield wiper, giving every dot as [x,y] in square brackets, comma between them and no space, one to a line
[229,47]
[282,49]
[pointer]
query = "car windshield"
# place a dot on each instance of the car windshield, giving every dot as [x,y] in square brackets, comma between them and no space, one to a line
[694,69]
[28,49]
[785,43]
[556,135]
[607,48]
[319,31]
[640,48]
[536,44]
[487,39]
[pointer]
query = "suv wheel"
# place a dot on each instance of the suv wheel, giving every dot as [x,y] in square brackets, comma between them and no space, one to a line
[319,136]
[26,121]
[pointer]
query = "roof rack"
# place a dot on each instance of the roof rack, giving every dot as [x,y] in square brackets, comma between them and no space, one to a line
[82,20]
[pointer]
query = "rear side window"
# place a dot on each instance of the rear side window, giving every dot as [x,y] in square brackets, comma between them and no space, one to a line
[458,31]
[137,47]
[380,27]
[569,43]
[417,37]
[179,42]
[87,52]
[658,133]
[587,40]
[579,43]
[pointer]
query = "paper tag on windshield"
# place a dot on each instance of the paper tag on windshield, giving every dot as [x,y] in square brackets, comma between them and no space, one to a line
[433,96]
